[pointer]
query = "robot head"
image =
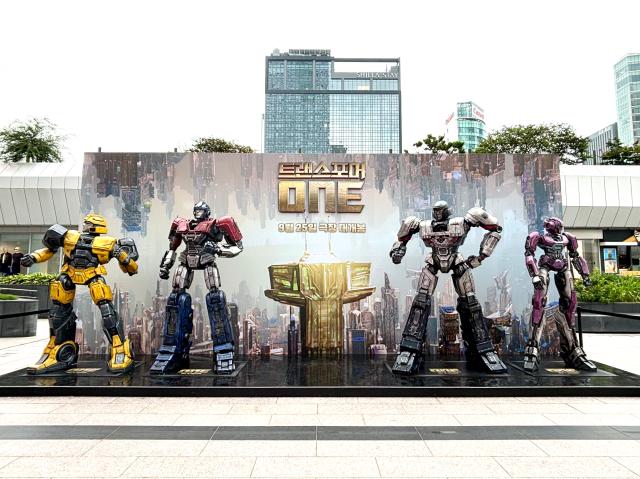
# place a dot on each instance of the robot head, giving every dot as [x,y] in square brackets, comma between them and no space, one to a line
[94,224]
[201,211]
[553,226]
[441,211]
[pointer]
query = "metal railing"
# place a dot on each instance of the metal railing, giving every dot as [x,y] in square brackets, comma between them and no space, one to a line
[580,310]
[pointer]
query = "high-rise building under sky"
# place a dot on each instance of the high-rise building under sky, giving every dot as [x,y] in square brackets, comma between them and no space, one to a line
[467,124]
[316,103]
[627,76]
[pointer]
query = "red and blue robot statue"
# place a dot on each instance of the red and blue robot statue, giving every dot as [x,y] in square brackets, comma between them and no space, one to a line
[555,243]
[205,238]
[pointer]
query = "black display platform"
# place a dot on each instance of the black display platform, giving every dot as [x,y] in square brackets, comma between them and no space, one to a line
[347,376]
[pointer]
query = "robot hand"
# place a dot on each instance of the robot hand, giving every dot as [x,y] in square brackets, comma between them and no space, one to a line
[537,282]
[27,260]
[474,261]
[397,252]
[164,273]
[211,248]
[586,281]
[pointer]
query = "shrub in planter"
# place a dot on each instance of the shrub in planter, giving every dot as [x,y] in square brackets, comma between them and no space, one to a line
[32,278]
[7,297]
[609,288]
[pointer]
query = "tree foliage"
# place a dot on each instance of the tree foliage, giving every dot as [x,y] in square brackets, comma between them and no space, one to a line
[619,154]
[559,139]
[218,145]
[437,144]
[35,141]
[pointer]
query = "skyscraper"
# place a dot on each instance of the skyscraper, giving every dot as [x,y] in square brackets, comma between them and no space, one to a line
[598,143]
[314,107]
[467,124]
[627,76]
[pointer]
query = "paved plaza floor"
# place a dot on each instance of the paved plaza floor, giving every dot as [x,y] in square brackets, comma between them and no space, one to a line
[321,437]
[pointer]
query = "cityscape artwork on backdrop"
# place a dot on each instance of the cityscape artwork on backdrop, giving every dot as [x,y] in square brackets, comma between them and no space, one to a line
[365,308]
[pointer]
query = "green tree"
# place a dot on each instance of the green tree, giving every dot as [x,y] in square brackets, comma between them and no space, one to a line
[218,145]
[619,154]
[437,144]
[559,139]
[35,141]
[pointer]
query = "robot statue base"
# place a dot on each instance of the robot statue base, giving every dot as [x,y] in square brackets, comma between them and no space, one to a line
[576,359]
[407,363]
[174,352]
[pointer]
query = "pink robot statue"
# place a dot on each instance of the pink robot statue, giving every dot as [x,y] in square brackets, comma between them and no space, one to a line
[555,243]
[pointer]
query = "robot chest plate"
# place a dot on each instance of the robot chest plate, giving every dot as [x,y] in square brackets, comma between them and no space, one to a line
[194,238]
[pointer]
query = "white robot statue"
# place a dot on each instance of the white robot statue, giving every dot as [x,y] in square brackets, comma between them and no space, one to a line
[444,235]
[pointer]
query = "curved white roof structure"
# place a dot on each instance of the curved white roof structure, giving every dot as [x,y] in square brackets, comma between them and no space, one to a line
[40,193]
[600,196]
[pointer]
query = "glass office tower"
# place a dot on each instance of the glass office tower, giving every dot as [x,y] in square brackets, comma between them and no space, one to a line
[627,76]
[312,108]
[470,125]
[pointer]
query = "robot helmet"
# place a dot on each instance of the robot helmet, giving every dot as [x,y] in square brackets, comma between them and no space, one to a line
[553,225]
[441,211]
[201,211]
[94,224]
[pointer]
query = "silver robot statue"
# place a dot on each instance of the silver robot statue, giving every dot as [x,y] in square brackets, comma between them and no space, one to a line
[444,235]
[555,244]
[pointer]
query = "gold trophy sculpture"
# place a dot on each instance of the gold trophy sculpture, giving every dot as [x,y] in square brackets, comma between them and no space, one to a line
[320,285]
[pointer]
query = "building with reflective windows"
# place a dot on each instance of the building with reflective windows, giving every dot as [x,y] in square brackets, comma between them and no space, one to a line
[627,77]
[316,103]
[466,124]
[598,143]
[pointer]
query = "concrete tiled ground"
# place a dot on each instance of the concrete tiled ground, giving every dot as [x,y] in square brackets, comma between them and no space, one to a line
[369,442]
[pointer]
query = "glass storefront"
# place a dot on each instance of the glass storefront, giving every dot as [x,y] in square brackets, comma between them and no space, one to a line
[24,243]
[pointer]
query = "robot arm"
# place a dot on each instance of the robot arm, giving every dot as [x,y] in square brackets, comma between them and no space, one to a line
[477,217]
[408,228]
[577,261]
[52,240]
[232,237]
[530,246]
[175,238]
[126,253]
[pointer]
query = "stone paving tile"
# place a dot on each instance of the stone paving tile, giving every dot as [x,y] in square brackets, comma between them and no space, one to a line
[558,399]
[631,463]
[339,433]
[521,408]
[50,419]
[594,419]
[88,408]
[484,448]
[66,467]
[46,447]
[159,408]
[398,401]
[503,420]
[315,467]
[609,408]
[588,447]
[259,448]
[470,433]
[162,432]
[228,433]
[411,420]
[142,448]
[319,400]
[546,467]
[370,409]
[201,466]
[129,419]
[55,432]
[27,408]
[447,409]
[319,420]
[222,420]
[463,467]
[377,448]
[274,409]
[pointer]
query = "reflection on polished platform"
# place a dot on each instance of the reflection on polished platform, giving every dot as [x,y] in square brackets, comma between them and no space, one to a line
[346,376]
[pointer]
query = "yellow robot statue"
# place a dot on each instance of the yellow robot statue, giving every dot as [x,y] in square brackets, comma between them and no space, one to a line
[85,253]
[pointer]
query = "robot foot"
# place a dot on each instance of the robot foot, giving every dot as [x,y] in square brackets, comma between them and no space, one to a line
[56,357]
[577,359]
[168,360]
[488,361]
[531,358]
[224,362]
[121,360]
[407,363]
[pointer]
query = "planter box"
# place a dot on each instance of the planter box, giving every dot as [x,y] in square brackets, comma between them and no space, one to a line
[36,291]
[604,323]
[20,326]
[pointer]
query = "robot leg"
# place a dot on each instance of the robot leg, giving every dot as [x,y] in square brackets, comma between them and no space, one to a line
[121,356]
[176,338]
[221,332]
[61,352]
[479,349]
[570,351]
[532,349]
[410,358]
